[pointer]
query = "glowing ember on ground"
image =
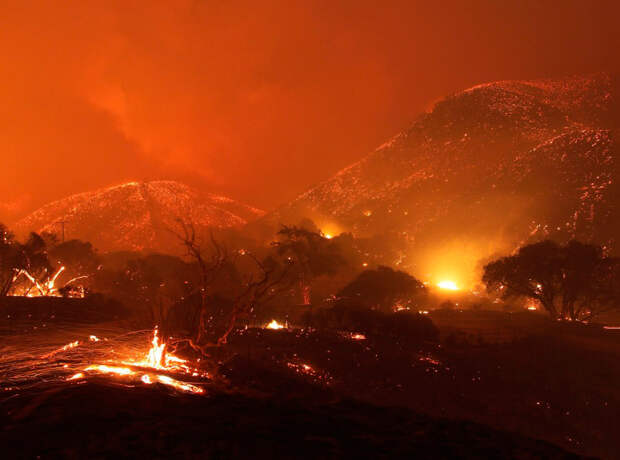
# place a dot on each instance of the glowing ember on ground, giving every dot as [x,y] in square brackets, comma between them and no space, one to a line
[612,328]
[110,369]
[358,336]
[180,385]
[448,285]
[61,349]
[274,325]
[156,359]
[306,369]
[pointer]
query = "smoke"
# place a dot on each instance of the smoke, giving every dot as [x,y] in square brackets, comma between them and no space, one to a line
[257,100]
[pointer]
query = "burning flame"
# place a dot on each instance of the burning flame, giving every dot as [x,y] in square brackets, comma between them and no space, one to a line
[157,353]
[448,285]
[110,369]
[61,349]
[156,359]
[274,325]
[47,288]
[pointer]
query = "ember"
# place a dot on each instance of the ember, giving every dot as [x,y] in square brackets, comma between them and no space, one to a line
[156,359]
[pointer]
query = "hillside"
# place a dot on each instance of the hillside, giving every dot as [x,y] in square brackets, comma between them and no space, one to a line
[136,215]
[486,169]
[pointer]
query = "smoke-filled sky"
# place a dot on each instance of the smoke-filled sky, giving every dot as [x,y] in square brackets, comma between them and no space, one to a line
[260,99]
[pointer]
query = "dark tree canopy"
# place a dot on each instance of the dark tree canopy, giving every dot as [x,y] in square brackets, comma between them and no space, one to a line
[384,289]
[77,256]
[313,254]
[11,260]
[15,258]
[575,281]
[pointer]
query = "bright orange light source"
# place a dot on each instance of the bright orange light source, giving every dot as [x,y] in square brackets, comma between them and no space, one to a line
[449,285]
[274,325]
[328,236]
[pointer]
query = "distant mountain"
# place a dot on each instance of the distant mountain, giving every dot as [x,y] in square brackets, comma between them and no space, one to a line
[136,215]
[493,166]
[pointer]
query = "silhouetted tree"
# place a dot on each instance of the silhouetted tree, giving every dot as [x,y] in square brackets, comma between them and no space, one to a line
[36,262]
[11,260]
[79,257]
[226,295]
[384,289]
[573,282]
[313,255]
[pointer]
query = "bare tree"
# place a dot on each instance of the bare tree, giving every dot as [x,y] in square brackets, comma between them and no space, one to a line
[209,267]
[266,279]
[272,279]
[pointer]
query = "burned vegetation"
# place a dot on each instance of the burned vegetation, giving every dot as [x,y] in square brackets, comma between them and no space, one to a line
[299,348]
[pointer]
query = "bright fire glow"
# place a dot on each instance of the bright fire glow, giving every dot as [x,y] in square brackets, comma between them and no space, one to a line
[274,325]
[156,358]
[180,385]
[447,284]
[46,288]
[79,375]
[110,369]
[61,349]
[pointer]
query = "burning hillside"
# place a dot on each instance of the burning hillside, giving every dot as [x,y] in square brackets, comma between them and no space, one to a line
[486,169]
[136,215]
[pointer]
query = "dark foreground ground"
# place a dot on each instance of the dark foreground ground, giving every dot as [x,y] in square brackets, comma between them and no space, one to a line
[495,386]
[100,420]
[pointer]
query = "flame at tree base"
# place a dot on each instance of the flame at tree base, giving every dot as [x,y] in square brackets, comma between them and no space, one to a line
[156,359]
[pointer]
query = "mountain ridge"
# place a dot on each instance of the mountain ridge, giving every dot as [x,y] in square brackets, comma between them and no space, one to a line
[137,215]
[512,160]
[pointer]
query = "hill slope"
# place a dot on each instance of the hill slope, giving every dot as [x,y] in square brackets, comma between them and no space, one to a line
[136,215]
[490,167]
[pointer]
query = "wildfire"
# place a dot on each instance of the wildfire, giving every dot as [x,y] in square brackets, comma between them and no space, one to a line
[61,349]
[274,325]
[448,285]
[156,359]
[308,370]
[110,369]
[46,288]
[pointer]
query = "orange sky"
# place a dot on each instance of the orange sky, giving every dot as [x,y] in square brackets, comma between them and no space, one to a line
[259,99]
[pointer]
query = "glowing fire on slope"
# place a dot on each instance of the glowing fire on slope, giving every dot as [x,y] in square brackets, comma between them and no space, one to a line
[157,359]
[448,285]
[274,325]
